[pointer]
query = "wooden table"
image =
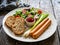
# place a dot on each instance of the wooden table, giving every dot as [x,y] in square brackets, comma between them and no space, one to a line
[48,5]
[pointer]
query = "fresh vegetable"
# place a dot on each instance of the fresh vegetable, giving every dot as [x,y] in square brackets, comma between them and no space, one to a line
[23,15]
[18,13]
[32,9]
[32,12]
[39,11]
[43,16]
[26,34]
[27,13]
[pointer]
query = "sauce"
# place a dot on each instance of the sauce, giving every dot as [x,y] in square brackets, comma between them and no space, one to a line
[30,19]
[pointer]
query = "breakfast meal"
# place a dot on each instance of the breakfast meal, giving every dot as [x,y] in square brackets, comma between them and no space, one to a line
[28,22]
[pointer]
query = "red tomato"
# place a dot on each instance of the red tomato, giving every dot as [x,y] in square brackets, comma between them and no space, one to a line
[23,11]
[39,11]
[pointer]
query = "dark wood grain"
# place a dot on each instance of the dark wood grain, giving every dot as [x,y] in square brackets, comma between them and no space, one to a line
[6,40]
[56,6]
[53,40]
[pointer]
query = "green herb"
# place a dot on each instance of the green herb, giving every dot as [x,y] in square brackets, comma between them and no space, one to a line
[27,12]
[32,9]
[23,16]
[18,12]
[32,12]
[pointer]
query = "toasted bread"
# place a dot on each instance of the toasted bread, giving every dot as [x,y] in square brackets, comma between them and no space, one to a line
[10,21]
[18,27]
[16,24]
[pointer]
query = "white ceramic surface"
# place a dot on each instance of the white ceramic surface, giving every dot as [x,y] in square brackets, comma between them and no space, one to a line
[49,32]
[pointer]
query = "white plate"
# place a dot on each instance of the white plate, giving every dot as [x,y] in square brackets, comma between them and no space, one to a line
[49,32]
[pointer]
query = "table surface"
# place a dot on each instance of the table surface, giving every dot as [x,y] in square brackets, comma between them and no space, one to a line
[48,5]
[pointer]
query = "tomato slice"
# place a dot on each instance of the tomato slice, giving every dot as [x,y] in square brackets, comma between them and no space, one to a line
[39,11]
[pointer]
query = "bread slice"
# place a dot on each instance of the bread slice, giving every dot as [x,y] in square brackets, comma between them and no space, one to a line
[18,27]
[10,21]
[16,24]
